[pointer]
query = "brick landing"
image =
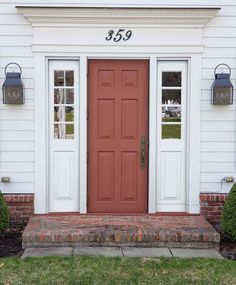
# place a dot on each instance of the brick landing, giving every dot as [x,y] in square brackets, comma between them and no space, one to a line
[114,230]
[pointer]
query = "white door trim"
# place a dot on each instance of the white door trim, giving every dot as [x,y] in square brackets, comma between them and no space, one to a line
[41,128]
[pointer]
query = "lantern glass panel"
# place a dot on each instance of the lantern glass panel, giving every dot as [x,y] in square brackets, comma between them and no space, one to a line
[222,95]
[13,94]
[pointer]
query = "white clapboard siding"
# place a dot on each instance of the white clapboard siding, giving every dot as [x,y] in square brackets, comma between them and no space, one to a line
[9,114]
[207,106]
[28,105]
[208,73]
[13,19]
[220,115]
[16,52]
[216,156]
[16,125]
[17,122]
[218,125]
[19,177]
[218,128]
[214,177]
[218,146]
[17,187]
[16,156]
[16,146]
[15,41]
[17,166]
[219,52]
[218,136]
[20,135]
[217,187]
[210,167]
[27,72]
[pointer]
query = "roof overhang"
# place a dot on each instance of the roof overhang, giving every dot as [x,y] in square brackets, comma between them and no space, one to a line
[159,16]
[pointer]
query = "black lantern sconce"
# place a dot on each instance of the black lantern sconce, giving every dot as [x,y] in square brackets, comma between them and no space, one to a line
[13,88]
[222,88]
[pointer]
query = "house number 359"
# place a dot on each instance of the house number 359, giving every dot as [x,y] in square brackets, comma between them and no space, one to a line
[121,34]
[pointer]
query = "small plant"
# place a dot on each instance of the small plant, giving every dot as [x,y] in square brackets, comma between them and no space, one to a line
[228,218]
[4,221]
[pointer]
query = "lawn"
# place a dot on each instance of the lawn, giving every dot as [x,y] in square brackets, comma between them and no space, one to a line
[128,271]
[171,131]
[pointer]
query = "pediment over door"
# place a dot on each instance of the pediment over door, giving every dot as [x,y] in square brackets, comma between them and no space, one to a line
[171,16]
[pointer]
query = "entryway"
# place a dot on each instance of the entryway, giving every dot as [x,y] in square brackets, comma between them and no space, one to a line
[118,136]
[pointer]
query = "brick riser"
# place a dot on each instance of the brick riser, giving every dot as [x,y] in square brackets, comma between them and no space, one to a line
[149,231]
[211,206]
[20,208]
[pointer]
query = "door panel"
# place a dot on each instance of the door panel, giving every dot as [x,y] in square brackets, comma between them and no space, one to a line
[118,118]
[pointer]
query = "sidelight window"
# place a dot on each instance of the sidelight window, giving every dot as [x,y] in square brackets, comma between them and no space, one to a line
[63,104]
[171,104]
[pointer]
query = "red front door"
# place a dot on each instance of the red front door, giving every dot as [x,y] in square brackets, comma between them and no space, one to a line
[117,136]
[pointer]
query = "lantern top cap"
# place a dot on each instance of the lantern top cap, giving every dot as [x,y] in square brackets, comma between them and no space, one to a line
[222,76]
[12,74]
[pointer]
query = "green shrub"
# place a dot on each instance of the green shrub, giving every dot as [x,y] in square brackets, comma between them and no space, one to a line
[4,222]
[228,218]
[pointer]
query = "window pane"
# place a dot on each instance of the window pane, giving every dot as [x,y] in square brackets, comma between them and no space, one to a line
[171,97]
[59,114]
[171,79]
[171,114]
[69,114]
[59,96]
[69,131]
[69,96]
[59,78]
[70,78]
[171,131]
[59,131]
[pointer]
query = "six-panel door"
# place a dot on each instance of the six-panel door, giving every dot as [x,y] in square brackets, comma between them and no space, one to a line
[117,136]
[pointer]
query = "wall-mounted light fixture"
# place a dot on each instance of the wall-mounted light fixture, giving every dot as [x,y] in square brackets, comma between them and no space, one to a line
[222,88]
[13,87]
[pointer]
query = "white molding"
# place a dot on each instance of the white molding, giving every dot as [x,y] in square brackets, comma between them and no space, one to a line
[54,16]
[83,136]
[193,144]
[41,136]
[41,130]
[152,134]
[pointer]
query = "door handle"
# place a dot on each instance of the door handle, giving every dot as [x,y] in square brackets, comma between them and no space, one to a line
[142,151]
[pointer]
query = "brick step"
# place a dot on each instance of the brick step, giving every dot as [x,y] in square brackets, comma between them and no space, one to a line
[115,230]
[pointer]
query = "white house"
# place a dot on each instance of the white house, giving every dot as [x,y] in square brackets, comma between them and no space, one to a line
[118,115]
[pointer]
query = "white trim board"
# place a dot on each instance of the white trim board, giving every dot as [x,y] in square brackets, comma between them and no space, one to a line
[193,149]
[54,16]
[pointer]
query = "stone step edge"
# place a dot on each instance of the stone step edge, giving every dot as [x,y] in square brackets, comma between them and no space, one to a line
[196,245]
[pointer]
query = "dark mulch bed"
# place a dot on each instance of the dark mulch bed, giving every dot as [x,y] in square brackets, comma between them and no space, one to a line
[10,242]
[228,248]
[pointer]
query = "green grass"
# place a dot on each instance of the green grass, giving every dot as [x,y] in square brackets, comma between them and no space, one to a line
[127,271]
[171,119]
[171,131]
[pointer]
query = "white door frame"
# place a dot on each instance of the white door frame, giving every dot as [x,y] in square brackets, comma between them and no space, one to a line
[193,121]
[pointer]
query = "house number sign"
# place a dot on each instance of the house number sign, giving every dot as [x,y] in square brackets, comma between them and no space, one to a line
[120,35]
